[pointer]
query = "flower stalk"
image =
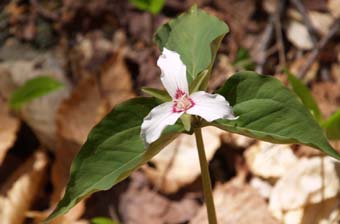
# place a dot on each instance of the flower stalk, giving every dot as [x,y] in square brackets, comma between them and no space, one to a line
[206,182]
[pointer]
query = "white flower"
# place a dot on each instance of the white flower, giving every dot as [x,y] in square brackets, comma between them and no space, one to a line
[208,106]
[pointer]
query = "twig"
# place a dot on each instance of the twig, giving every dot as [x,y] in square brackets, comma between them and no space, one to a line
[316,51]
[264,44]
[310,27]
[43,12]
[278,33]
[268,36]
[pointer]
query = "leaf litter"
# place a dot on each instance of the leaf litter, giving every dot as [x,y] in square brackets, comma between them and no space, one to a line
[102,65]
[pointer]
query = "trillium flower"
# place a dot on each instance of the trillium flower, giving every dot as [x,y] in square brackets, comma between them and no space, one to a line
[208,106]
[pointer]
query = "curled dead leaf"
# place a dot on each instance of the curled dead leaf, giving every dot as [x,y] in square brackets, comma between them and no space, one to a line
[22,63]
[298,34]
[8,130]
[237,203]
[177,164]
[155,209]
[302,188]
[334,8]
[98,91]
[327,95]
[22,187]
[269,160]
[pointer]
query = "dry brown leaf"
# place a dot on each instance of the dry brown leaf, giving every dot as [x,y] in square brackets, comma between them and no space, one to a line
[321,21]
[21,64]
[88,103]
[299,63]
[177,164]
[304,185]
[8,130]
[21,189]
[334,7]
[237,140]
[298,34]
[116,91]
[327,95]
[140,205]
[306,151]
[80,112]
[75,118]
[71,217]
[223,70]
[269,160]
[263,187]
[237,203]
[270,6]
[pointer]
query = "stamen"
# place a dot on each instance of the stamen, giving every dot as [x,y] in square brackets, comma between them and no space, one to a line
[182,102]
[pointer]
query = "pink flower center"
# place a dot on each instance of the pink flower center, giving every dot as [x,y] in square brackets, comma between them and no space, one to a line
[182,102]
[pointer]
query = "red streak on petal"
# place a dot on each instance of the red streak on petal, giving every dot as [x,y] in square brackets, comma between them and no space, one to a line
[179,94]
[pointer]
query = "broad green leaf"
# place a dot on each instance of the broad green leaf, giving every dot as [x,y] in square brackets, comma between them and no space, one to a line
[153,6]
[304,94]
[196,36]
[269,111]
[162,95]
[102,220]
[112,151]
[332,126]
[32,89]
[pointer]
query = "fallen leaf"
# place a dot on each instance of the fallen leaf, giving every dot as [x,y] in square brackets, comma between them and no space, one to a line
[72,217]
[97,92]
[223,70]
[334,8]
[321,21]
[22,63]
[304,185]
[237,140]
[140,205]
[263,187]
[327,95]
[269,160]
[74,118]
[237,203]
[21,189]
[298,34]
[177,164]
[8,130]
[299,63]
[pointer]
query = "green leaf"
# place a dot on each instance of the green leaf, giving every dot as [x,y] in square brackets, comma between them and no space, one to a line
[332,126]
[304,94]
[102,220]
[153,6]
[269,111]
[32,89]
[112,151]
[199,83]
[162,95]
[196,36]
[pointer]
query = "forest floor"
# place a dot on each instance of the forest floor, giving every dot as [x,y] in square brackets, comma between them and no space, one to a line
[104,54]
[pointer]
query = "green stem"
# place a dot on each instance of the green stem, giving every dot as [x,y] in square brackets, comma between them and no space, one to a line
[209,200]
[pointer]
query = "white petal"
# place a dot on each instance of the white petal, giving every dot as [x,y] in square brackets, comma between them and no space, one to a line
[210,106]
[173,75]
[155,122]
